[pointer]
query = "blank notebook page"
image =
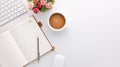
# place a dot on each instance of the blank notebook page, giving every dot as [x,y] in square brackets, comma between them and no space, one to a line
[26,34]
[10,54]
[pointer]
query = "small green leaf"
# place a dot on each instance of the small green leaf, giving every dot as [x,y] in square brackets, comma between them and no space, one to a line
[29,0]
[43,9]
[53,1]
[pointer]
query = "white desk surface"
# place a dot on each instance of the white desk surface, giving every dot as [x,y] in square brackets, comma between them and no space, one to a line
[91,37]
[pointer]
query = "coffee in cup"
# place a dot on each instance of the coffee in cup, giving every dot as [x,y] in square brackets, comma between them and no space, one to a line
[57,21]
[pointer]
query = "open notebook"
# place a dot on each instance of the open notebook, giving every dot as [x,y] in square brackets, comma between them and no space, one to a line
[18,46]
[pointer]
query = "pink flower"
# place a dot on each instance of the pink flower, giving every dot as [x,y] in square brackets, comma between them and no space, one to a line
[38,5]
[30,5]
[48,5]
[36,1]
[36,10]
[43,2]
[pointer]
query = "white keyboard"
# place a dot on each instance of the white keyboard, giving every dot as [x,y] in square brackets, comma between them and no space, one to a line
[10,10]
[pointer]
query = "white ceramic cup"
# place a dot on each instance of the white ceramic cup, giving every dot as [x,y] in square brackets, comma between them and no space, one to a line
[54,29]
